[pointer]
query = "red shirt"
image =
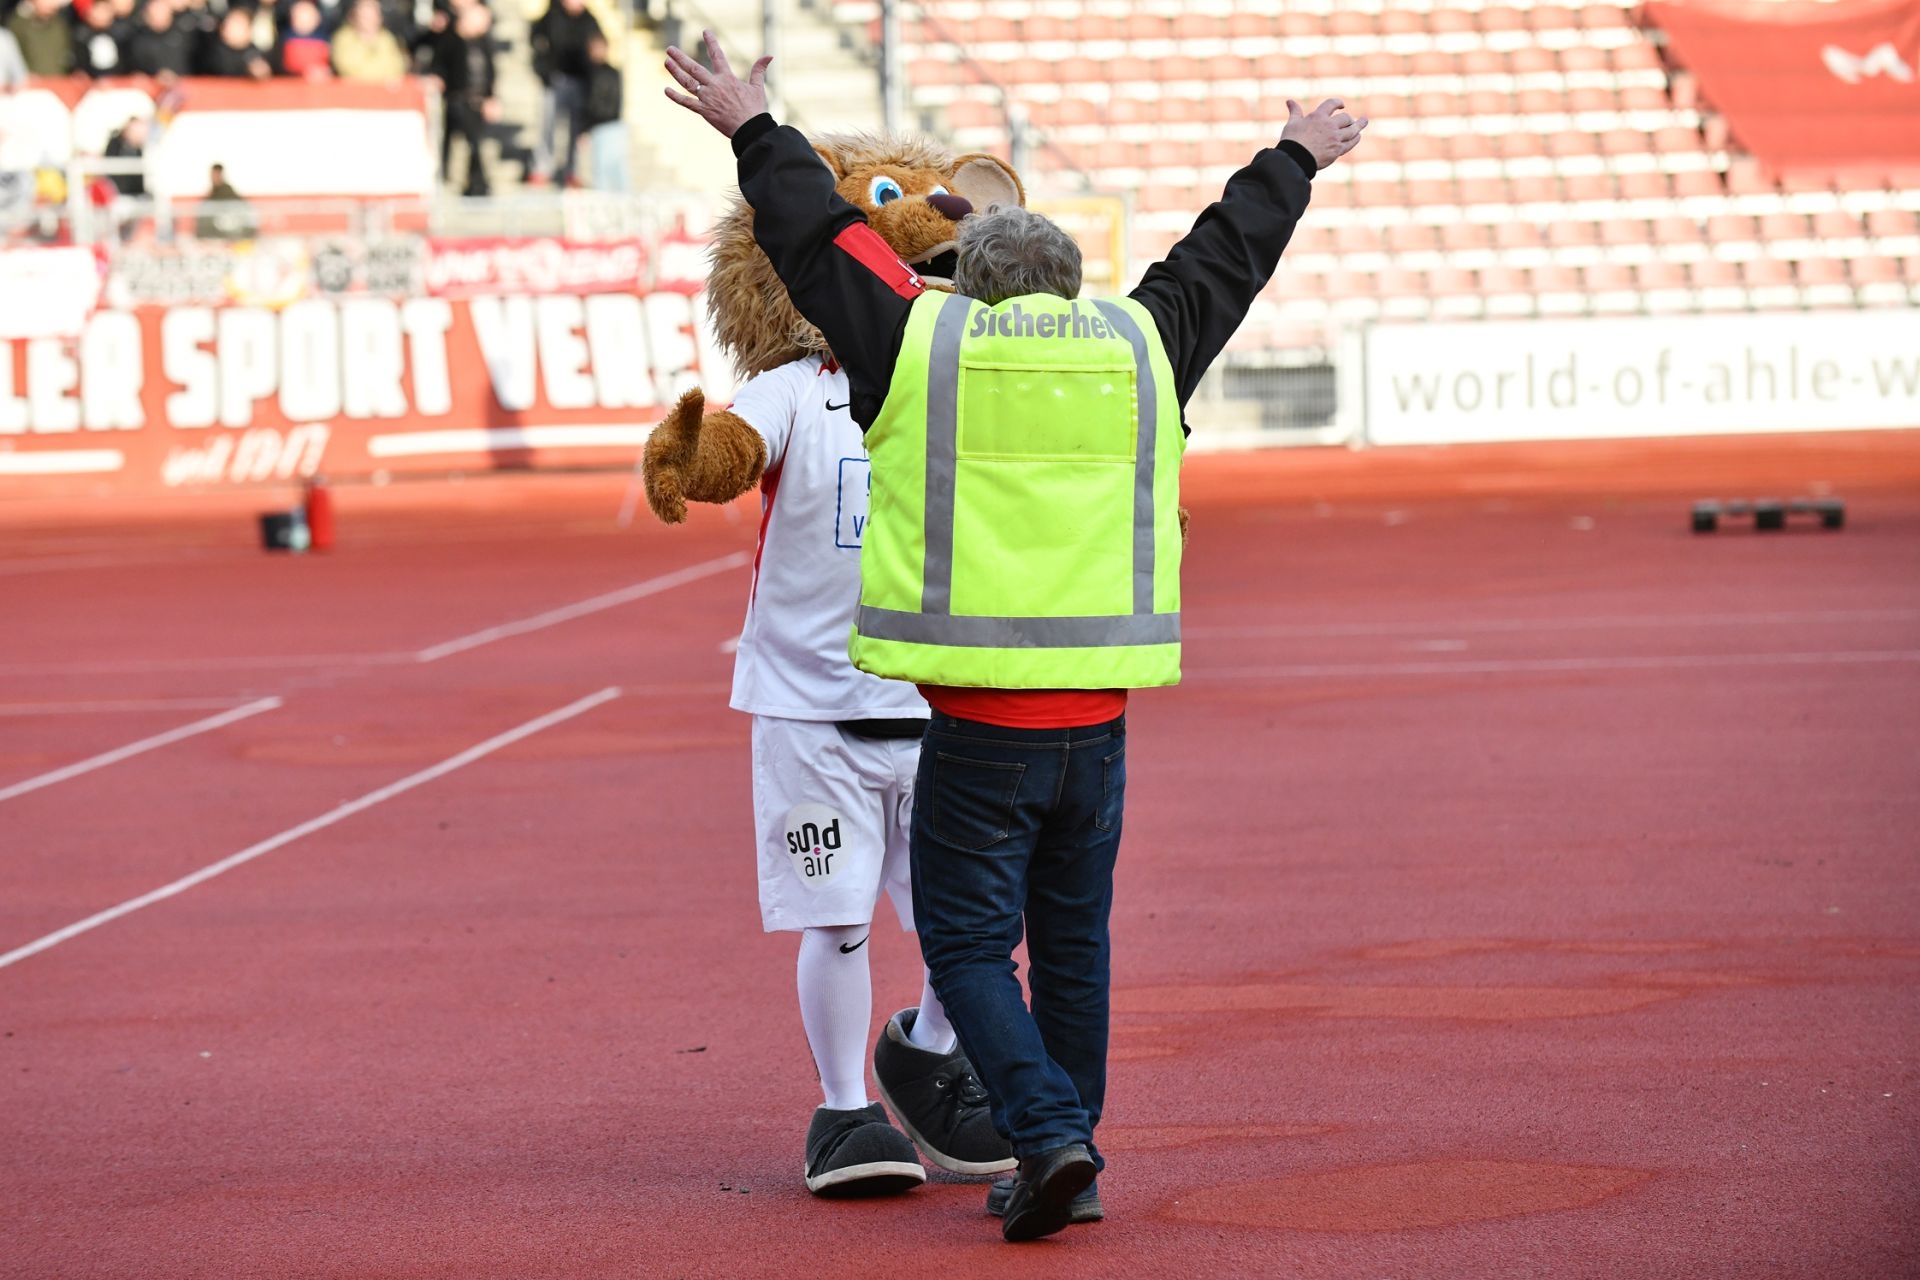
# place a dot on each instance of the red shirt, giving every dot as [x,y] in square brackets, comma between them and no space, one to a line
[1027,708]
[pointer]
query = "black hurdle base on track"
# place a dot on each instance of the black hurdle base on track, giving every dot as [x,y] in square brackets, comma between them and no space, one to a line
[1769,514]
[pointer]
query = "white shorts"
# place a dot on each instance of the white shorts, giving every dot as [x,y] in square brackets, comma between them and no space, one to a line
[831,814]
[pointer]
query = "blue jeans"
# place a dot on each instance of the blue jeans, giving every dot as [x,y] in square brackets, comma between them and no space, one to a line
[1013,824]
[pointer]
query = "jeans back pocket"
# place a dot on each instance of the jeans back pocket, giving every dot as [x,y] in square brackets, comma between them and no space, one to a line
[970,805]
[1113,781]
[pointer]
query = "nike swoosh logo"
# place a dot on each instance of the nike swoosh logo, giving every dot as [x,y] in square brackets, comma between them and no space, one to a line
[831,406]
[847,949]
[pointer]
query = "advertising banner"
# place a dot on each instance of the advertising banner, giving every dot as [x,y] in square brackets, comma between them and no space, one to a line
[150,397]
[1807,87]
[1640,376]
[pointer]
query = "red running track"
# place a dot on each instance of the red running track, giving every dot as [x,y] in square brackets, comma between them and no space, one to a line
[1518,886]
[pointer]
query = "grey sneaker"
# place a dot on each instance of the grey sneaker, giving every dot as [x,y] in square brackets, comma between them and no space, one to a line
[1086,1206]
[938,1101]
[857,1153]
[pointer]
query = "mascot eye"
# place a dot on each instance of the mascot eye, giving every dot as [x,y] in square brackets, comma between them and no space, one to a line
[885,191]
[938,191]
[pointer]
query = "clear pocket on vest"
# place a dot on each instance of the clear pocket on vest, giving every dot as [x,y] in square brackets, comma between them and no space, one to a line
[1048,412]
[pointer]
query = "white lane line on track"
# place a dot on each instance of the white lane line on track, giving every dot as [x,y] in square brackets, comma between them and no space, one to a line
[1611,622]
[241,662]
[132,749]
[450,764]
[596,604]
[1512,666]
[125,706]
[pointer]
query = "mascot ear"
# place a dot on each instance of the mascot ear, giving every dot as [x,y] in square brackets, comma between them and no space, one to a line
[986,181]
[833,165]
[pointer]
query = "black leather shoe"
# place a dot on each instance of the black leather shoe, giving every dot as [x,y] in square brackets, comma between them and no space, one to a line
[1086,1206]
[1041,1202]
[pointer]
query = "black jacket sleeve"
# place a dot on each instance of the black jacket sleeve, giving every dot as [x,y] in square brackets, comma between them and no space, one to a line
[840,274]
[1200,292]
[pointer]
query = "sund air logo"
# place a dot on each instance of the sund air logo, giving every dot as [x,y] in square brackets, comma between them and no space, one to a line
[850,508]
[815,835]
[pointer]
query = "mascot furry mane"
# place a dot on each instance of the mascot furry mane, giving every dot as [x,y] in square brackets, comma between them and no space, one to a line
[754,319]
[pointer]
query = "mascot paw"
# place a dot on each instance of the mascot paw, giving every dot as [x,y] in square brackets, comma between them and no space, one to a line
[700,457]
[670,451]
[1183,528]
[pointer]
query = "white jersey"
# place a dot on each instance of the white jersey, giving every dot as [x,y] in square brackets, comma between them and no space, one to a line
[792,661]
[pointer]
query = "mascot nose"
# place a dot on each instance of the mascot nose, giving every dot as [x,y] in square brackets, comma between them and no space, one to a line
[954,207]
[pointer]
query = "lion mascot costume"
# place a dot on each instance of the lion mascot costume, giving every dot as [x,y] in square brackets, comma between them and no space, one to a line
[834,750]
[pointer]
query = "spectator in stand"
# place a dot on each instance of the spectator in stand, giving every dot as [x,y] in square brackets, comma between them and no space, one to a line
[231,54]
[365,50]
[160,45]
[45,36]
[223,214]
[559,42]
[303,51]
[96,50]
[463,60]
[604,116]
[129,142]
[13,67]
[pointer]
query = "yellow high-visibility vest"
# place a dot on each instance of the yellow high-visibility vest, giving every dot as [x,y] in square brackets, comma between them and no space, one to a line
[1023,528]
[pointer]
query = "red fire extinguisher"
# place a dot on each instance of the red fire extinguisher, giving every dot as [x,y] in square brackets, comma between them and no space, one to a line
[319,514]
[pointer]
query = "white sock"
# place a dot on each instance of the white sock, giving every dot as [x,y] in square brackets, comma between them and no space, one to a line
[836,1007]
[931,1030]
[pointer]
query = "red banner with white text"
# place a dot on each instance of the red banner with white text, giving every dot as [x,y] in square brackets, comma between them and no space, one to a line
[144,398]
[1820,89]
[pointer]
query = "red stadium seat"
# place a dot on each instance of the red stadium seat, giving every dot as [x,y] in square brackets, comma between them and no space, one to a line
[1592,98]
[1466,237]
[1677,139]
[1873,270]
[1764,272]
[1836,224]
[1518,233]
[1445,20]
[1784,226]
[1892,222]
[1552,17]
[1645,184]
[1534,60]
[1582,57]
[1567,233]
[1572,142]
[1609,277]
[1432,191]
[1624,231]
[1355,238]
[1697,182]
[1413,237]
[1589,186]
[1483,191]
[1820,271]
[1483,62]
[1502,18]
[1661,275]
[1624,142]
[1643,97]
[1452,280]
[1638,56]
[1675,229]
[1535,188]
[1710,273]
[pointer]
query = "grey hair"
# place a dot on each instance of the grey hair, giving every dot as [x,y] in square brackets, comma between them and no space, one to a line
[1010,252]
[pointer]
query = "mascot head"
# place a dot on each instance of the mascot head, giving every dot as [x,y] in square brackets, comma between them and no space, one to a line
[903,184]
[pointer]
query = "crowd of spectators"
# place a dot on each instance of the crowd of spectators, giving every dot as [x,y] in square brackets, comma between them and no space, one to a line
[377,41]
[374,40]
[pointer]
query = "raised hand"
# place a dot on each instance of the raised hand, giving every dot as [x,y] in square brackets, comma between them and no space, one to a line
[1327,132]
[719,97]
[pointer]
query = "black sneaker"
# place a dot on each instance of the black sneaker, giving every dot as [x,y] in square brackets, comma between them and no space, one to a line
[1041,1201]
[857,1153]
[1086,1206]
[938,1101]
